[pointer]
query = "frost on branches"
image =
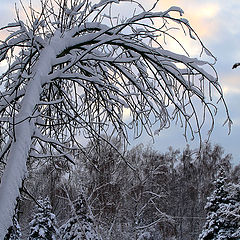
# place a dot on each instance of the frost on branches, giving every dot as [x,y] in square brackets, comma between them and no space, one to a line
[223,212]
[80,226]
[72,72]
[43,225]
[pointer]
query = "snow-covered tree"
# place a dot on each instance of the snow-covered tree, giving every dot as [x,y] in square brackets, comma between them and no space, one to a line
[223,212]
[80,226]
[43,225]
[73,70]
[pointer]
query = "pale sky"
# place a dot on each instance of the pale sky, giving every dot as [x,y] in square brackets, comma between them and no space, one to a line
[217,23]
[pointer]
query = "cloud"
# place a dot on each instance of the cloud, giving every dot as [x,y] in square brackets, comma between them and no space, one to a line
[231,83]
[202,15]
[126,114]
[203,19]
[7,13]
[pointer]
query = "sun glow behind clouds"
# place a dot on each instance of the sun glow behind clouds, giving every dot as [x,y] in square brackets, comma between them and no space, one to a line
[201,15]
[231,83]
[203,21]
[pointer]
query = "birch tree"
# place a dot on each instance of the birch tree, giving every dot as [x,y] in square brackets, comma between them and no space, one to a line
[74,69]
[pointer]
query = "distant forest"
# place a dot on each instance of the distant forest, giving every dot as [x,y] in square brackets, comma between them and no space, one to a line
[144,195]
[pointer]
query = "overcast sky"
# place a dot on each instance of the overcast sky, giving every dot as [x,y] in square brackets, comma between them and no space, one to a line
[217,23]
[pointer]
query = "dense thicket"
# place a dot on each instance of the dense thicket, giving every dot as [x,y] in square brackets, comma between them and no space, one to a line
[151,196]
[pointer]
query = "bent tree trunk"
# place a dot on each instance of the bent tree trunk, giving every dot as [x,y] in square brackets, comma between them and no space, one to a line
[24,129]
[76,70]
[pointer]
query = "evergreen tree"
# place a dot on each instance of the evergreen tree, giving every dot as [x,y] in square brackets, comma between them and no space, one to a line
[43,225]
[223,212]
[80,226]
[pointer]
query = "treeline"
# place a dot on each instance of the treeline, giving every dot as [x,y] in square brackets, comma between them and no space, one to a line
[143,195]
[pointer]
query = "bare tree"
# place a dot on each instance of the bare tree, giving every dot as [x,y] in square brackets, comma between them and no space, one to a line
[72,70]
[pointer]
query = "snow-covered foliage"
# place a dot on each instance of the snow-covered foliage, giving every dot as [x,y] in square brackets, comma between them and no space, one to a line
[80,226]
[74,69]
[14,232]
[43,225]
[144,236]
[223,212]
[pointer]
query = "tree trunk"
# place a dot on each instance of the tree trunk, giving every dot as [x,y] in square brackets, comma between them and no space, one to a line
[15,170]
